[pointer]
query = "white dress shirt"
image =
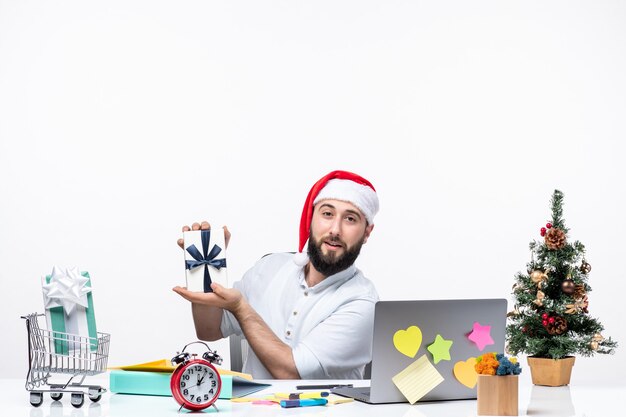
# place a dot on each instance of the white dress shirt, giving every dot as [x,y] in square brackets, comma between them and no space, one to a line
[329,326]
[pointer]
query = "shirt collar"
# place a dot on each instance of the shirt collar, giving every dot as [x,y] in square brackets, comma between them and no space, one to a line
[339,277]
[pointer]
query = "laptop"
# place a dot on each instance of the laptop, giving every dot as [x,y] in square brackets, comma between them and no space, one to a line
[452,320]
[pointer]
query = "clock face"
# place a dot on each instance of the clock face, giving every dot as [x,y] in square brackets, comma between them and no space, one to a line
[199,384]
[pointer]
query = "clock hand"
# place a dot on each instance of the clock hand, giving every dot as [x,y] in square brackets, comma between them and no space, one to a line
[201,379]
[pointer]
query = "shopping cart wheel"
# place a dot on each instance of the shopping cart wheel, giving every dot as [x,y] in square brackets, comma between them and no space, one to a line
[78,398]
[95,393]
[56,396]
[36,399]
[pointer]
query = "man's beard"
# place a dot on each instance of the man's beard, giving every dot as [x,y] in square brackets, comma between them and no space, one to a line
[332,263]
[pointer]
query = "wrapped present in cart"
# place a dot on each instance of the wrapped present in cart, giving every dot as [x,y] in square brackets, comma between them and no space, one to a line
[70,346]
[77,360]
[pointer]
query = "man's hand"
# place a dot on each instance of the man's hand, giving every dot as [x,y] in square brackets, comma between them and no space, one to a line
[226,298]
[203,226]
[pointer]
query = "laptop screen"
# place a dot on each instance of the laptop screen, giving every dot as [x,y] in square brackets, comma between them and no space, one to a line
[438,341]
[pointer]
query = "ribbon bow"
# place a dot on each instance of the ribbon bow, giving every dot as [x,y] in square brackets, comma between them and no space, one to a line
[205,258]
[579,305]
[539,300]
[539,278]
[66,288]
[596,340]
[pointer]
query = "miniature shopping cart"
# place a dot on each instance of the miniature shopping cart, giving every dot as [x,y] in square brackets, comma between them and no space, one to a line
[52,352]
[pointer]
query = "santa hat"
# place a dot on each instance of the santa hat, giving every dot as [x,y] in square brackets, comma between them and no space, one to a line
[337,185]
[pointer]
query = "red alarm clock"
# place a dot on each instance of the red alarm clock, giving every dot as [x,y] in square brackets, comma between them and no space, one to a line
[195,383]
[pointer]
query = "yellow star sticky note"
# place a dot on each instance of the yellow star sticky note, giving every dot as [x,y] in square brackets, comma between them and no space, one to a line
[440,349]
[417,379]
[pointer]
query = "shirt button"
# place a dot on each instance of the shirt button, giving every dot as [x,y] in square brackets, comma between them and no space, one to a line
[295,313]
[288,333]
[306,293]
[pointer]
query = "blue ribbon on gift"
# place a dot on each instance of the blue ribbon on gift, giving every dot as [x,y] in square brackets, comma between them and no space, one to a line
[206,258]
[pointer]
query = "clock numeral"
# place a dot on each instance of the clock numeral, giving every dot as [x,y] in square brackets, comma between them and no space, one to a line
[185,392]
[183,384]
[198,368]
[186,377]
[206,397]
[199,399]
[213,383]
[192,397]
[210,374]
[211,391]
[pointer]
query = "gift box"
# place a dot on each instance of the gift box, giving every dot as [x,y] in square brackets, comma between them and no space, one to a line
[205,259]
[69,308]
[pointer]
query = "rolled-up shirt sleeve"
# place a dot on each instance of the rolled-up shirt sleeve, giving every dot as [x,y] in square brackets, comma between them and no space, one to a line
[340,344]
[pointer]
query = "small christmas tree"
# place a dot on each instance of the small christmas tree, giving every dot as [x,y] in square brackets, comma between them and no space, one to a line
[551,315]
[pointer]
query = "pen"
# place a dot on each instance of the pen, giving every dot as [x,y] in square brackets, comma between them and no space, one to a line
[301,395]
[330,386]
[303,403]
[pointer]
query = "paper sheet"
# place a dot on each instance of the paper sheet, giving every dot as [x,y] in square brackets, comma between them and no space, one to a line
[417,379]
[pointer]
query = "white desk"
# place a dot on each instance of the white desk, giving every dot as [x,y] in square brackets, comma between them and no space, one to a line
[578,400]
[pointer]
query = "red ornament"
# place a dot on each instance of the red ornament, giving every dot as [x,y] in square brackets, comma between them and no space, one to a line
[524,329]
[545,322]
[544,316]
[549,225]
[543,231]
[551,320]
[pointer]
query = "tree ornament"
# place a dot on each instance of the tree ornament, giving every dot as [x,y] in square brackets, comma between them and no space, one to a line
[577,307]
[558,325]
[555,239]
[513,313]
[540,278]
[585,303]
[568,287]
[596,340]
[549,225]
[585,267]
[544,322]
[544,316]
[579,292]
[539,300]
[542,231]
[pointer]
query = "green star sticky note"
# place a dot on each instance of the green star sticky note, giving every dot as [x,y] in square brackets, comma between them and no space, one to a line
[440,349]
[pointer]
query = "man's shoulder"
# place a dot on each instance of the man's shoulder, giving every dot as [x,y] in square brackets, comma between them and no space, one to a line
[274,260]
[360,287]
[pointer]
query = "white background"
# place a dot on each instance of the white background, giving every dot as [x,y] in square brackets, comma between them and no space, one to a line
[120,121]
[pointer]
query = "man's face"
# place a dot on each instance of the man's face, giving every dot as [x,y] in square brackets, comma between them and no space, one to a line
[338,230]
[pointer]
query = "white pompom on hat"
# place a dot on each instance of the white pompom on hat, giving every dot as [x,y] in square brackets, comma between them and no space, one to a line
[336,185]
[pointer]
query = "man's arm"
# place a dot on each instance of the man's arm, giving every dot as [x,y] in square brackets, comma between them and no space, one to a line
[276,356]
[207,320]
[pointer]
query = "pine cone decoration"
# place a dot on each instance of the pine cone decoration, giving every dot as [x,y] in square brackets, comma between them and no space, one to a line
[555,238]
[559,326]
[579,292]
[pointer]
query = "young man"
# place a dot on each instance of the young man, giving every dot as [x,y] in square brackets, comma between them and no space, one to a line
[308,315]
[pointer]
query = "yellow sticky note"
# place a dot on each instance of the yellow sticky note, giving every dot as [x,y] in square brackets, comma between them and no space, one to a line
[338,399]
[408,341]
[417,379]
